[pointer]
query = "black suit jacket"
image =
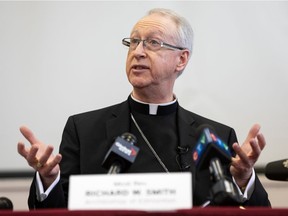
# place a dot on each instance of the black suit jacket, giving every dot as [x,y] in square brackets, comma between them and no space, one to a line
[88,136]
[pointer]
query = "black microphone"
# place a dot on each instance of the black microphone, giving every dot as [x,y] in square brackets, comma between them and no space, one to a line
[210,153]
[6,203]
[277,170]
[183,157]
[209,145]
[121,155]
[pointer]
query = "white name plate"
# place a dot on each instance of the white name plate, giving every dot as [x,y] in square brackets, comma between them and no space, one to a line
[145,191]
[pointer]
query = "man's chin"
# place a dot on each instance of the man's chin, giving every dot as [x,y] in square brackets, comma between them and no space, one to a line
[138,83]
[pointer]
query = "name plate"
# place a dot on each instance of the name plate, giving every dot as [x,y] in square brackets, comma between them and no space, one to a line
[145,191]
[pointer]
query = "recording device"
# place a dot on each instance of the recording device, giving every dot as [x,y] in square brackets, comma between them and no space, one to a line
[122,154]
[209,145]
[6,203]
[277,170]
[210,153]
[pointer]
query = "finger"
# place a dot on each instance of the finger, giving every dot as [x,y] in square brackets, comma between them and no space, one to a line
[48,168]
[22,150]
[241,154]
[57,159]
[31,156]
[28,134]
[47,154]
[256,150]
[253,132]
[261,141]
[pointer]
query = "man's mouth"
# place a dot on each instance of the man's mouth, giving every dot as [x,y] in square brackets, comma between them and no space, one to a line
[139,67]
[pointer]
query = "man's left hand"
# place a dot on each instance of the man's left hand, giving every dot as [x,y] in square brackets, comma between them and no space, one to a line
[247,155]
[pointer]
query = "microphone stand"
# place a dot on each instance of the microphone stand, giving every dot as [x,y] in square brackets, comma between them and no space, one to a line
[115,168]
[223,191]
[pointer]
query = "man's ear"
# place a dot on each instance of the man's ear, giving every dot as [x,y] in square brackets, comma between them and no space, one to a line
[183,60]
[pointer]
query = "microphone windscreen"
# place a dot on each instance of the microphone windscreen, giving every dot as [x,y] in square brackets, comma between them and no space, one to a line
[200,129]
[277,170]
[6,203]
[123,152]
[208,146]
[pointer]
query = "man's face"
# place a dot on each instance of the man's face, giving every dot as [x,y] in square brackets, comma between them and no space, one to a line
[156,69]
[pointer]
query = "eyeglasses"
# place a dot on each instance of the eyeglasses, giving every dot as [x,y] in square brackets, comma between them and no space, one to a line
[149,43]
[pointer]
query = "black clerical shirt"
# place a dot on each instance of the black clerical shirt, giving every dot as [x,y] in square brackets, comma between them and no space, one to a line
[159,125]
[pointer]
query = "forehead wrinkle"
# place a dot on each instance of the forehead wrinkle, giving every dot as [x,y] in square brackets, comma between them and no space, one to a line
[150,28]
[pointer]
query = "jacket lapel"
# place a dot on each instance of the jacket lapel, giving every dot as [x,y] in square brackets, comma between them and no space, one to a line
[187,138]
[187,128]
[119,122]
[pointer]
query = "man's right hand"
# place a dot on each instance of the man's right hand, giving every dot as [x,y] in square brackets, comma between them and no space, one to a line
[39,156]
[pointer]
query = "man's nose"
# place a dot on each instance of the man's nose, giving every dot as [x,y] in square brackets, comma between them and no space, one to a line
[140,49]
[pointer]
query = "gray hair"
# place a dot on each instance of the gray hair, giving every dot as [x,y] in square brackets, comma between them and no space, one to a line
[185,31]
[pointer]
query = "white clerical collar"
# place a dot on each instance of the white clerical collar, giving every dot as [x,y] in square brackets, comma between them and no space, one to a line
[154,107]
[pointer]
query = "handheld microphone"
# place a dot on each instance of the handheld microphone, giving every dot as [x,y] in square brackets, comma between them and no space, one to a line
[277,170]
[6,203]
[122,154]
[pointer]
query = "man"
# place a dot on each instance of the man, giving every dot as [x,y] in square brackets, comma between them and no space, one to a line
[160,46]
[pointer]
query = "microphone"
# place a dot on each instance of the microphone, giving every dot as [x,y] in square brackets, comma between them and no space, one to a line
[210,153]
[277,170]
[183,157]
[122,154]
[209,145]
[6,203]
